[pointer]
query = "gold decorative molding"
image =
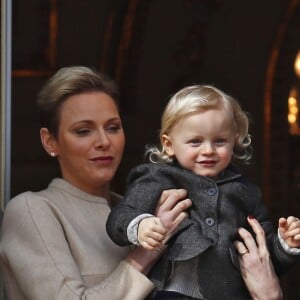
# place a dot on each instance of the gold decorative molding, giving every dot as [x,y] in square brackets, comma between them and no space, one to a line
[126,38]
[269,82]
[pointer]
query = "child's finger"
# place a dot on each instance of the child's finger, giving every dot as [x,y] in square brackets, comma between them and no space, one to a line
[146,246]
[282,222]
[158,227]
[297,237]
[153,243]
[294,224]
[291,220]
[156,236]
[294,233]
[282,227]
[152,224]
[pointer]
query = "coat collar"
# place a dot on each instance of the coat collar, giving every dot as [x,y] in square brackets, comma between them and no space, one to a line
[229,174]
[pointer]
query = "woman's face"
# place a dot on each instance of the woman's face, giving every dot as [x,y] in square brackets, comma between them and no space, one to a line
[90,141]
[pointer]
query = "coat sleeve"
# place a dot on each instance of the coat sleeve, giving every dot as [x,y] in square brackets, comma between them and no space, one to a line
[39,263]
[145,185]
[282,261]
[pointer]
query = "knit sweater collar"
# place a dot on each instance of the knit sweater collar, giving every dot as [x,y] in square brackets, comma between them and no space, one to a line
[66,187]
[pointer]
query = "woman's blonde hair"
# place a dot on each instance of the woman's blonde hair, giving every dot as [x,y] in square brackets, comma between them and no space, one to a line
[67,82]
[198,98]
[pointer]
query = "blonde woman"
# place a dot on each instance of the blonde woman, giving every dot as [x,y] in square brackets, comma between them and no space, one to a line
[54,245]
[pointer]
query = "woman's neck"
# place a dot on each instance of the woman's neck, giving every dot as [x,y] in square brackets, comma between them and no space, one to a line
[92,189]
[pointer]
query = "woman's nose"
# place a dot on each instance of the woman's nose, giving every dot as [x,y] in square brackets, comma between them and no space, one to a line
[102,141]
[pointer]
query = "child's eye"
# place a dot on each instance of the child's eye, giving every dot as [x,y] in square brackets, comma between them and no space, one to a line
[220,141]
[195,142]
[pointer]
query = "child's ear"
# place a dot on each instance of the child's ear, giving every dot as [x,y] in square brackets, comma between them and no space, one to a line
[236,139]
[167,144]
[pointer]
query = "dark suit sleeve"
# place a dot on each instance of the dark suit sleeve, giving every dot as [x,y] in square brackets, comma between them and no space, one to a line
[145,185]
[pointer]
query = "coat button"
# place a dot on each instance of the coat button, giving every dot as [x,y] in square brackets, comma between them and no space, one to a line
[211,191]
[210,222]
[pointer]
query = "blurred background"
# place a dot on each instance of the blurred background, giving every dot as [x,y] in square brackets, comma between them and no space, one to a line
[250,49]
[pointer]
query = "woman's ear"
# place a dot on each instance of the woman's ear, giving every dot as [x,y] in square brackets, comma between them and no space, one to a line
[167,144]
[49,142]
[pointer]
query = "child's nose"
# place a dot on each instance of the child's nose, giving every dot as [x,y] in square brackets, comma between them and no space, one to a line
[207,148]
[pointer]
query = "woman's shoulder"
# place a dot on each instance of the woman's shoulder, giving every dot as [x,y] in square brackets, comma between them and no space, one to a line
[25,202]
[20,199]
[21,215]
[40,197]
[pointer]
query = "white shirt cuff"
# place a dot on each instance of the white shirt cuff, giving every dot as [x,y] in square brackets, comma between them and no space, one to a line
[132,229]
[286,247]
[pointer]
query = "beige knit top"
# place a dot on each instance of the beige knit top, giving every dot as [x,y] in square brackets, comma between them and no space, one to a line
[54,246]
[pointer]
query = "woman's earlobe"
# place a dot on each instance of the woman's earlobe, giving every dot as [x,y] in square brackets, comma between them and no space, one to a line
[48,142]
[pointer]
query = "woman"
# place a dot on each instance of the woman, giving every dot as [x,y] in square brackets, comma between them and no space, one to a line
[53,242]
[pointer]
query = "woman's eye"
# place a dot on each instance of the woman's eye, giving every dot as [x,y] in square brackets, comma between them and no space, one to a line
[83,131]
[113,128]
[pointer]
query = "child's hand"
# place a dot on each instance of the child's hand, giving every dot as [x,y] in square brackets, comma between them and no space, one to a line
[289,230]
[151,233]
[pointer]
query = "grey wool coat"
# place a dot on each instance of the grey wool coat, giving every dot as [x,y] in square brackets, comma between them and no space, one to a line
[219,208]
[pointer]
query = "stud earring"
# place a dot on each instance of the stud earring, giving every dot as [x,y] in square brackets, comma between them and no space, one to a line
[52,154]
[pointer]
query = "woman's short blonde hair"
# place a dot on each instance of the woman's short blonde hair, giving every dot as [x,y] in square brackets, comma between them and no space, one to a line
[67,82]
[198,98]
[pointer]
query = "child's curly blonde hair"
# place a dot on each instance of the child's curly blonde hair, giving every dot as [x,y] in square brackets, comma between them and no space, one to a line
[199,98]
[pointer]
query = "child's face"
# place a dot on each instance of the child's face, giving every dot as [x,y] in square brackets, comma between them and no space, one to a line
[203,142]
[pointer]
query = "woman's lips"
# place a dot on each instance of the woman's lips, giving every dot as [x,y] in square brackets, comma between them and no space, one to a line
[103,160]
